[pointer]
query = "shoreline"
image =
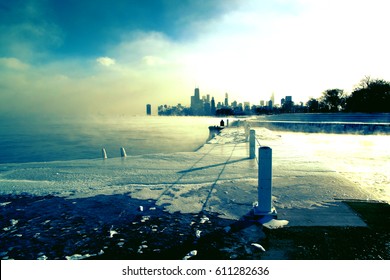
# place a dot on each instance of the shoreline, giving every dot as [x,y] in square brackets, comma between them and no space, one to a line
[165,206]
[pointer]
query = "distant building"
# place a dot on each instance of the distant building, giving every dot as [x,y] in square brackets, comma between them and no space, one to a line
[207,108]
[270,104]
[148,109]
[247,107]
[226,100]
[212,109]
[196,103]
[273,98]
[288,104]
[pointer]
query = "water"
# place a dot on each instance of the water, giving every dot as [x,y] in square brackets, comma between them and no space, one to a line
[43,139]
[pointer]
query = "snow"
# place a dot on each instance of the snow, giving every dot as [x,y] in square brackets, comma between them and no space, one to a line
[310,171]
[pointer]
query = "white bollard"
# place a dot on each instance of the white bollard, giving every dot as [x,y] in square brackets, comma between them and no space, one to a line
[264,206]
[104,154]
[252,144]
[123,152]
[246,132]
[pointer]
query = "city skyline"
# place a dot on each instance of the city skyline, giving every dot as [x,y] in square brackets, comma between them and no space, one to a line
[203,105]
[88,57]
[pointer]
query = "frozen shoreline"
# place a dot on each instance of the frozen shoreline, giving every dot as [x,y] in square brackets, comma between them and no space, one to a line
[166,205]
[301,160]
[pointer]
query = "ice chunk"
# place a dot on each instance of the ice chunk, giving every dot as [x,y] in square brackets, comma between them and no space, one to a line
[258,246]
[112,232]
[273,224]
[190,254]
[78,256]
[43,257]
[204,219]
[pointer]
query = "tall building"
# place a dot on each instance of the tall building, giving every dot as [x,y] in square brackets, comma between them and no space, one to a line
[270,104]
[273,98]
[196,103]
[148,109]
[207,108]
[196,94]
[213,109]
[226,100]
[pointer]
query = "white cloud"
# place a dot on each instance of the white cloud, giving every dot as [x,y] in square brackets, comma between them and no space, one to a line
[106,61]
[13,63]
[151,60]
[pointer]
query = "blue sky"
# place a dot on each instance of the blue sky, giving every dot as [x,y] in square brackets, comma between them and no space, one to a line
[72,57]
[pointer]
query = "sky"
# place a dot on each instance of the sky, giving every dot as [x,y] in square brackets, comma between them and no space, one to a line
[113,57]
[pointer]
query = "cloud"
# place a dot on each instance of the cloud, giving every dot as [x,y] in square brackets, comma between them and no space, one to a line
[26,30]
[153,60]
[301,49]
[106,61]
[13,63]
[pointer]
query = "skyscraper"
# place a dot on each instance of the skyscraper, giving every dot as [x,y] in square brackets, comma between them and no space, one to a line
[213,110]
[196,103]
[226,100]
[196,94]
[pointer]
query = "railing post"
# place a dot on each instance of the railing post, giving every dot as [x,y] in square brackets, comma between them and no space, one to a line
[252,144]
[264,206]
[123,152]
[104,154]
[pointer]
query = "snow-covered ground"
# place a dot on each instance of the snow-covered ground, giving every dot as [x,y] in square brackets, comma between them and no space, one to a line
[310,171]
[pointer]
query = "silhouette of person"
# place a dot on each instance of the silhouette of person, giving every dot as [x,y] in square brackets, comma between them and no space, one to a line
[222,123]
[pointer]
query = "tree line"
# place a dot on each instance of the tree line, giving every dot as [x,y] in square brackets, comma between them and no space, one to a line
[370,96]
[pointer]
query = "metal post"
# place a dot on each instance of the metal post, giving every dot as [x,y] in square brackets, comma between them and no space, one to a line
[227,123]
[123,152]
[264,206]
[252,144]
[104,154]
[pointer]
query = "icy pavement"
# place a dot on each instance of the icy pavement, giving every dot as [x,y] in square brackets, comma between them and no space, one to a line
[218,178]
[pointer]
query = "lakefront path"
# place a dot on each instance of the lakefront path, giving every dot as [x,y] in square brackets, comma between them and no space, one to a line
[163,206]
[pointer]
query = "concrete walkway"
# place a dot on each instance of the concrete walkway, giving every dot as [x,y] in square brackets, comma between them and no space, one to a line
[304,191]
[218,178]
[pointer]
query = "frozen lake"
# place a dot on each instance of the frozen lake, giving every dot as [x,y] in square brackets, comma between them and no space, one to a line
[45,139]
[63,157]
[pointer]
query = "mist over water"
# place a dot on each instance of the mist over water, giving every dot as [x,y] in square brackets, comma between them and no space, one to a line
[45,139]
